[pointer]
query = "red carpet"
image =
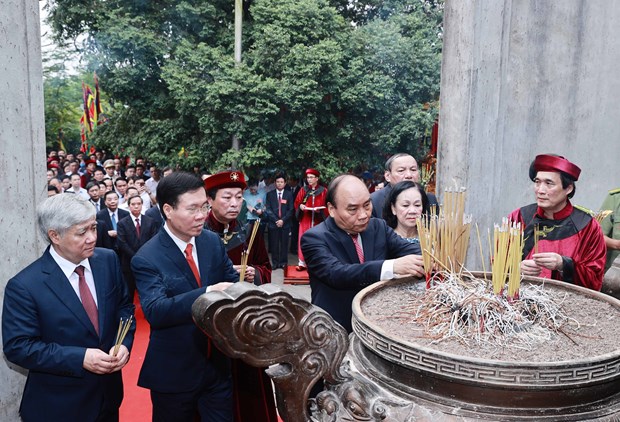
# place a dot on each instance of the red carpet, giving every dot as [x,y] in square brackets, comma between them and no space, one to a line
[136,406]
[292,276]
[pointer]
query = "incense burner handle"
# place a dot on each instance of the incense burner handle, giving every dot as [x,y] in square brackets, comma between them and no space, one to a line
[264,326]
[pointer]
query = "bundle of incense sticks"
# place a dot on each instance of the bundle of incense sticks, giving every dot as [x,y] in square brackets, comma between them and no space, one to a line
[601,215]
[245,254]
[506,262]
[123,329]
[444,237]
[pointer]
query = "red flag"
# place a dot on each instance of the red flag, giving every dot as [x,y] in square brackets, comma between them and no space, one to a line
[98,109]
[84,145]
[86,93]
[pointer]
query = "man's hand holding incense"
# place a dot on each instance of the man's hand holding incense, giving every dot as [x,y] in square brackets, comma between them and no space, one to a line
[250,272]
[99,362]
[550,260]
[122,355]
[529,267]
[409,265]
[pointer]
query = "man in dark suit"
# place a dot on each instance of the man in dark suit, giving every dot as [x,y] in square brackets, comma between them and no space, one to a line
[94,192]
[398,167]
[107,222]
[61,316]
[133,232]
[280,206]
[155,213]
[186,377]
[350,250]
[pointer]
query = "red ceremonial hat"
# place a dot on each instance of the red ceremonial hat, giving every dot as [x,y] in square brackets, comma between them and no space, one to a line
[313,171]
[225,179]
[52,166]
[545,162]
[87,162]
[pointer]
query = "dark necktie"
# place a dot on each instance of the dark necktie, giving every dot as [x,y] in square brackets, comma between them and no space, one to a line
[192,263]
[87,298]
[358,248]
[279,205]
[138,226]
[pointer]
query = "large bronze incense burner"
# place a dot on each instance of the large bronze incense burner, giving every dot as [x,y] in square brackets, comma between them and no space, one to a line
[579,389]
[383,377]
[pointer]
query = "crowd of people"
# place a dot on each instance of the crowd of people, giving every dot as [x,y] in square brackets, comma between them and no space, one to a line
[116,228]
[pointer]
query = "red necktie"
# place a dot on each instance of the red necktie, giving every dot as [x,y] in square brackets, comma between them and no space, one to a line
[138,226]
[87,298]
[279,205]
[358,248]
[192,263]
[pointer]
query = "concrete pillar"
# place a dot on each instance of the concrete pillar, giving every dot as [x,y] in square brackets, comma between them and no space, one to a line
[521,78]
[22,160]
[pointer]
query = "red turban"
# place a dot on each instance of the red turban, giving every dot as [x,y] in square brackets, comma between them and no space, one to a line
[314,172]
[225,179]
[546,162]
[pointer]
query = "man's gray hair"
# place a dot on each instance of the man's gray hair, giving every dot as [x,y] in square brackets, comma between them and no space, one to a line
[61,212]
[388,163]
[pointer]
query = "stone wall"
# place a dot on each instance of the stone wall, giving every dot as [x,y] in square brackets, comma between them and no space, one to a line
[22,157]
[521,78]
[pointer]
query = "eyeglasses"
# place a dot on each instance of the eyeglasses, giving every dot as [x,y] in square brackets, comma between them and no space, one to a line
[195,210]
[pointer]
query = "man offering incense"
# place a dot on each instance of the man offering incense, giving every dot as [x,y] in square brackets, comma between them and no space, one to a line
[570,244]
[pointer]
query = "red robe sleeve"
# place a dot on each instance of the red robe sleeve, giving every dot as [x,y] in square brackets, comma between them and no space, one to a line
[299,198]
[589,257]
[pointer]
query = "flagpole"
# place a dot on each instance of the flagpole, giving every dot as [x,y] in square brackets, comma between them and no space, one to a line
[238,32]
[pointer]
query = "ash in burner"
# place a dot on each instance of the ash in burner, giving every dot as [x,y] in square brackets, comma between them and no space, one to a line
[469,312]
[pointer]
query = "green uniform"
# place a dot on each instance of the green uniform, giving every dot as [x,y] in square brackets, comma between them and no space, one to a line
[611,224]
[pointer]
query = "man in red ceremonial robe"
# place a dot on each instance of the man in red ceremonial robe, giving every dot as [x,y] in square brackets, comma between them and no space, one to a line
[253,394]
[310,208]
[570,246]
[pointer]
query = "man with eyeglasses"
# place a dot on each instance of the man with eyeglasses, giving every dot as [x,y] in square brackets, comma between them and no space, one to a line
[185,375]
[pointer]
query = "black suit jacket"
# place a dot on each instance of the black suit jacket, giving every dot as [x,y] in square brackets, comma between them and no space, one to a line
[101,204]
[46,330]
[155,213]
[176,358]
[128,241]
[287,208]
[336,274]
[104,224]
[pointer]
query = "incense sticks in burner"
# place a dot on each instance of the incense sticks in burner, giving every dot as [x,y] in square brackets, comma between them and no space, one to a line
[444,236]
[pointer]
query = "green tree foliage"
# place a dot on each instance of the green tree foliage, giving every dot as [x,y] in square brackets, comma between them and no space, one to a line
[328,83]
[63,100]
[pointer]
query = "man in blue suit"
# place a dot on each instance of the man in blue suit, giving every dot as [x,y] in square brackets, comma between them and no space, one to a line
[350,250]
[186,377]
[61,316]
[279,210]
[107,222]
